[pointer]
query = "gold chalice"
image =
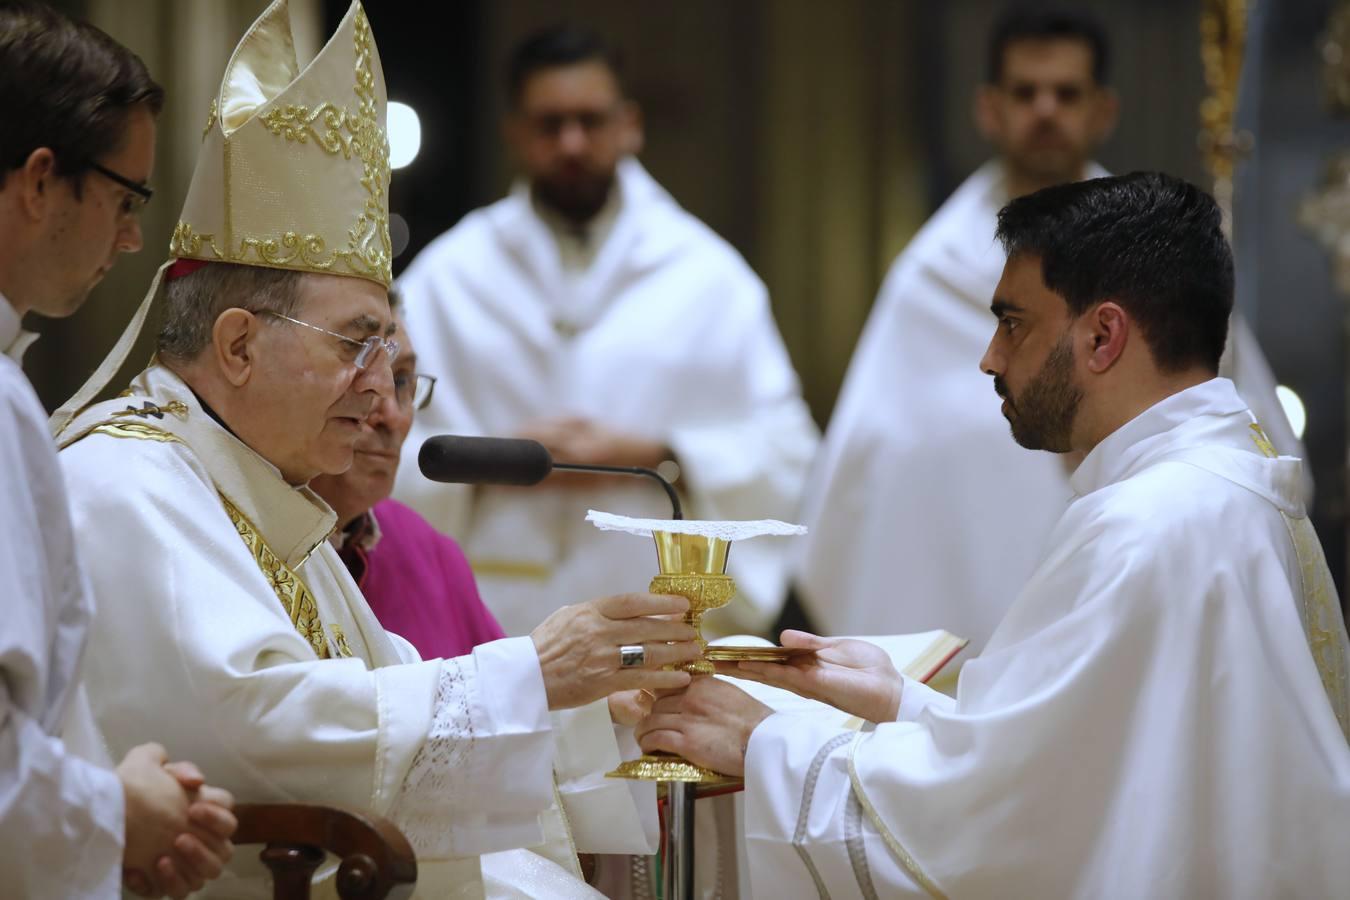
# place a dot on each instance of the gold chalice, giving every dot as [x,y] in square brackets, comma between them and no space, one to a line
[692,566]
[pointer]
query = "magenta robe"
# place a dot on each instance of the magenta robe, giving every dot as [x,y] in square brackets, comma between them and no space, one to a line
[420,586]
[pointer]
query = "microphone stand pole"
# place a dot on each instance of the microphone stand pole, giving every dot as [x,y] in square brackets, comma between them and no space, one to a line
[676,511]
[677,872]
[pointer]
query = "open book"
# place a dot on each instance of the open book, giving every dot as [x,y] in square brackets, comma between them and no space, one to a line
[919,656]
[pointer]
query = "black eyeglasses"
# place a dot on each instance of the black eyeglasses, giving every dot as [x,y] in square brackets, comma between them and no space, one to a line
[141,194]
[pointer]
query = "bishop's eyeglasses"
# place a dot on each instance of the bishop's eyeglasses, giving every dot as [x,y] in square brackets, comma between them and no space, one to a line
[366,349]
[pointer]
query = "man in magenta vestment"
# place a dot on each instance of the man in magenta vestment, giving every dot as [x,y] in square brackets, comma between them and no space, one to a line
[416,579]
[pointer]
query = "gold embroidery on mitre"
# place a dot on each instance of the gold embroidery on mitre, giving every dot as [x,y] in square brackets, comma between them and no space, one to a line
[290,589]
[211,115]
[337,131]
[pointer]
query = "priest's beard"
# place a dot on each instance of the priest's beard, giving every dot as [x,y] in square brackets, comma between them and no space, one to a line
[576,198]
[1042,416]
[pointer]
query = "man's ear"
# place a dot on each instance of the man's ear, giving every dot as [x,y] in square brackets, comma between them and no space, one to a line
[633,136]
[985,113]
[513,134]
[1107,113]
[233,344]
[1108,332]
[35,181]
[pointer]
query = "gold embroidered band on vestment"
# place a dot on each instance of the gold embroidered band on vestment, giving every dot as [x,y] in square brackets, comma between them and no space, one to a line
[294,595]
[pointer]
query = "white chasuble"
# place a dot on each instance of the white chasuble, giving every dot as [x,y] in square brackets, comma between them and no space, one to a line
[924,513]
[1161,713]
[667,335]
[229,629]
[61,805]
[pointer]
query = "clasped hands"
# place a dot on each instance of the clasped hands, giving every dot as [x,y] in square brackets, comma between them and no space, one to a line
[178,828]
[710,722]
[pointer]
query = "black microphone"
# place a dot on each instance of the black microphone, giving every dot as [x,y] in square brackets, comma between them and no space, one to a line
[455,459]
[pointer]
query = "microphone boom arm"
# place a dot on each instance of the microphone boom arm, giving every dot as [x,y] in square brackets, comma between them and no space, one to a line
[676,511]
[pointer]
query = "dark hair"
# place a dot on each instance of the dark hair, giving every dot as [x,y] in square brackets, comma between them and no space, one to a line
[64,85]
[1148,241]
[556,46]
[1042,23]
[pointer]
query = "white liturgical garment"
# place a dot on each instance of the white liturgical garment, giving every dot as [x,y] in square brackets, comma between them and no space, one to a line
[924,513]
[1161,713]
[229,628]
[667,335]
[61,805]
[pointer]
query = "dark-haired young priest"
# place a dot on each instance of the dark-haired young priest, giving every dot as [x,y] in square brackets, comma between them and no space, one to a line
[1163,710]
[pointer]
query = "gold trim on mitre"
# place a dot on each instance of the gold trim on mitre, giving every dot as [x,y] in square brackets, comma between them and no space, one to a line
[293,171]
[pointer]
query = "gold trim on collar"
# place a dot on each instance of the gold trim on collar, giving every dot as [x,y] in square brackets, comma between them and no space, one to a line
[137,430]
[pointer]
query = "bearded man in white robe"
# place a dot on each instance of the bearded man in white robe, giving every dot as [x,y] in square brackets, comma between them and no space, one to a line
[75,154]
[917,482]
[1164,710]
[228,624]
[588,311]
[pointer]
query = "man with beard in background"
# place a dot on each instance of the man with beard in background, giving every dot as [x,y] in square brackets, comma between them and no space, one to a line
[917,479]
[588,311]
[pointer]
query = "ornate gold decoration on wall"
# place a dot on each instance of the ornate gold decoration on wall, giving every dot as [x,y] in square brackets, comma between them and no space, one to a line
[1223,39]
[1334,47]
[1325,213]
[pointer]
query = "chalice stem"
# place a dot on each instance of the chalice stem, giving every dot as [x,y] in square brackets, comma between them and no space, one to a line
[678,872]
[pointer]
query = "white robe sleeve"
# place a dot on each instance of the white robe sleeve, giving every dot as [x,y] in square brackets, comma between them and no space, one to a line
[193,646]
[915,697]
[1153,720]
[61,817]
[606,815]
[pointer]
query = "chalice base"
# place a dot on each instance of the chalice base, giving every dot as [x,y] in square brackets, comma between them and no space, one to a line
[667,767]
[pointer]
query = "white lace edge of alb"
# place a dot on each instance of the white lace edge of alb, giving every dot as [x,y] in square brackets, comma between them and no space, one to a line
[727,531]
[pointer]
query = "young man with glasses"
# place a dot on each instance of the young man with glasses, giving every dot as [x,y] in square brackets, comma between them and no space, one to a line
[76,150]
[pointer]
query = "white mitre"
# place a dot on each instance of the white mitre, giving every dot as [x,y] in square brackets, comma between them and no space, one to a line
[293,172]
[294,167]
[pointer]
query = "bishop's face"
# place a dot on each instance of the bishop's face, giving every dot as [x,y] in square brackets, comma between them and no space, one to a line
[1031,358]
[375,463]
[309,401]
[570,128]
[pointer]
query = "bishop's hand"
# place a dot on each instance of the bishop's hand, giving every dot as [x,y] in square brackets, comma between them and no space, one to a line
[579,653]
[851,675]
[709,724]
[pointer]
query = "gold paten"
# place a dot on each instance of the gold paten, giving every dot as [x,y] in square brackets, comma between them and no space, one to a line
[691,566]
[727,653]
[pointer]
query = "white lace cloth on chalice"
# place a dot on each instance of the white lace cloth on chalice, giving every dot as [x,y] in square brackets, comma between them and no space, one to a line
[727,531]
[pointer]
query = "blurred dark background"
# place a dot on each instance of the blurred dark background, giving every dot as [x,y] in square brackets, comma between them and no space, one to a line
[815,137]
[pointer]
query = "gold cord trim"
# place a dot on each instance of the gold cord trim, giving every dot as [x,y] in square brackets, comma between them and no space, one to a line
[134,430]
[211,115]
[909,862]
[1319,613]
